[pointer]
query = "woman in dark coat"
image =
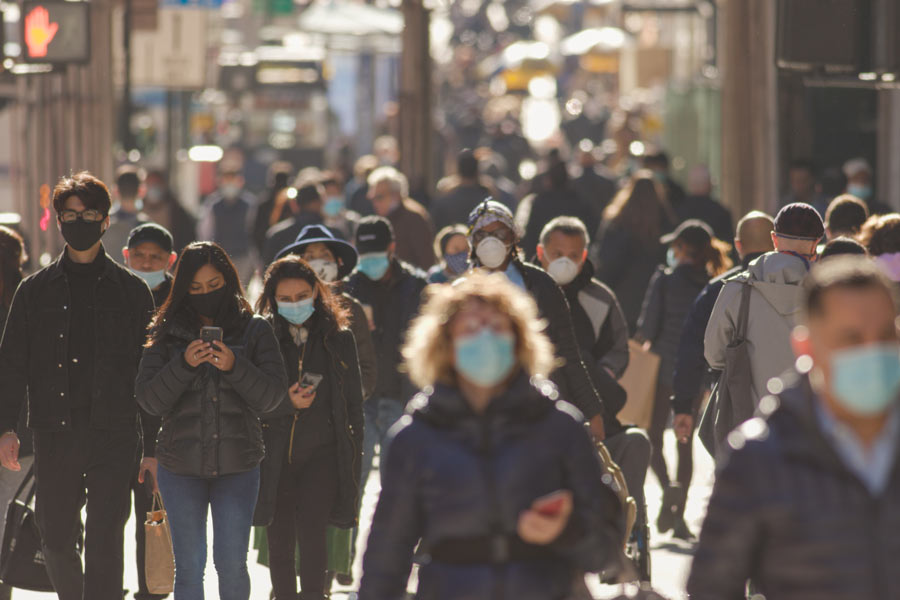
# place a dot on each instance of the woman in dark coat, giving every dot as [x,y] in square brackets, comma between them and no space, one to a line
[695,255]
[496,477]
[210,395]
[628,250]
[314,442]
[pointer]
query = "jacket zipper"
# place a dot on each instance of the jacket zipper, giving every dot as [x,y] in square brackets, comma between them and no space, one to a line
[291,444]
[496,520]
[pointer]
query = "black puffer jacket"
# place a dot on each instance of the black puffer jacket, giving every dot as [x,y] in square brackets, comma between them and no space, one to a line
[573,378]
[334,356]
[210,419]
[454,476]
[670,297]
[789,515]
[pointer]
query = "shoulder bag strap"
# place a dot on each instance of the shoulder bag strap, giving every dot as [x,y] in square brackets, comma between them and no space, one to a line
[740,334]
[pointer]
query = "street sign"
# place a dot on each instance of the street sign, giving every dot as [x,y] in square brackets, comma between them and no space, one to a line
[56,32]
[173,56]
[205,4]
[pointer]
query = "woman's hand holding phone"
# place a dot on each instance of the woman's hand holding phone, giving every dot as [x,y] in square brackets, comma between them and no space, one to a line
[197,353]
[546,519]
[301,397]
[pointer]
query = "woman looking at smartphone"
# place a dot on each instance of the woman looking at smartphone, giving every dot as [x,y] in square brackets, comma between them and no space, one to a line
[210,395]
[496,477]
[314,443]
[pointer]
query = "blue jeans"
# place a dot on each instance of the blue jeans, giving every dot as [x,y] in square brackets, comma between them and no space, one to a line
[232,499]
[380,414]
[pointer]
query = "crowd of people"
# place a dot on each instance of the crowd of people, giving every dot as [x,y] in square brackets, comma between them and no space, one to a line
[481,363]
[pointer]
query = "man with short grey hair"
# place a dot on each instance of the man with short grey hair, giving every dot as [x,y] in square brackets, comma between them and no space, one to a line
[389,194]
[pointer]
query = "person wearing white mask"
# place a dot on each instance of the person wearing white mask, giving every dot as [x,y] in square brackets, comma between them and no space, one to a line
[494,239]
[598,318]
[602,334]
[148,254]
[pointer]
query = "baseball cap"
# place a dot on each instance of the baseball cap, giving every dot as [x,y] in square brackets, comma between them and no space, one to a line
[799,221]
[151,232]
[373,234]
[693,231]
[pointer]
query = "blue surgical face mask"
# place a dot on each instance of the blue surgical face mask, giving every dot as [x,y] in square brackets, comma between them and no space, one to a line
[670,258]
[861,191]
[485,358]
[374,265]
[866,379]
[457,263]
[154,279]
[334,206]
[298,312]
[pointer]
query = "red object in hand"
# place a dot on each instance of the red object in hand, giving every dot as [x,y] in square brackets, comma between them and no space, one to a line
[549,505]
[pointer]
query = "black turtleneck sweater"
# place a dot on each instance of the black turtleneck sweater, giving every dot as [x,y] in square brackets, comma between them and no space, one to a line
[82,279]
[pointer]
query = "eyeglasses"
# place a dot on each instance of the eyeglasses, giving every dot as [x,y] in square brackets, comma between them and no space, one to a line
[90,215]
[502,234]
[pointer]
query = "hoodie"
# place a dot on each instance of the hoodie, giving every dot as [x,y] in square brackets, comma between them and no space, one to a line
[774,306]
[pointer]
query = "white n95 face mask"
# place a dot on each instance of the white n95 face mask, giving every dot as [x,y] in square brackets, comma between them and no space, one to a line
[491,252]
[563,270]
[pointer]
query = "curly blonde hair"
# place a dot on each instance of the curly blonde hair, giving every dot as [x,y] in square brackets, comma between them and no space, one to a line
[428,351]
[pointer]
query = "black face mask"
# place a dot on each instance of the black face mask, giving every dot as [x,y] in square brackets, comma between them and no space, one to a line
[81,235]
[208,304]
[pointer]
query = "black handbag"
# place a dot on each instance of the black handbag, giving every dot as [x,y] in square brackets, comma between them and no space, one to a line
[21,556]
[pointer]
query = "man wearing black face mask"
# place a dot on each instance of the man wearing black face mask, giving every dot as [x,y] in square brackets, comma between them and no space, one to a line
[72,347]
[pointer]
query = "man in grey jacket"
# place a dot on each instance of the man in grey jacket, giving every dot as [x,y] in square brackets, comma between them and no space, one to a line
[775,279]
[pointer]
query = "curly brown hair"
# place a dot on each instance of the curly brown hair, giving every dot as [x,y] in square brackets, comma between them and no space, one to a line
[881,234]
[428,350]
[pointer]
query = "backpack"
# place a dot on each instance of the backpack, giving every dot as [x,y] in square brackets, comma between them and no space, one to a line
[731,400]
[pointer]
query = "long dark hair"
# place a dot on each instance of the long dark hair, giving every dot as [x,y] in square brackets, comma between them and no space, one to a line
[328,305]
[12,257]
[642,208]
[177,308]
[712,256]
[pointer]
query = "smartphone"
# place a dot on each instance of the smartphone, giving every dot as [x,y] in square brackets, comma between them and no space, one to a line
[311,381]
[550,505]
[211,334]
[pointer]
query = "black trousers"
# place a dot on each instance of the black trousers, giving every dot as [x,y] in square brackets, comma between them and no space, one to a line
[660,418]
[307,490]
[72,467]
[143,503]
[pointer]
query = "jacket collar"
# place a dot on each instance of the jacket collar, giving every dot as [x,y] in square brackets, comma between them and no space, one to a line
[797,403]
[581,280]
[56,269]
[524,400]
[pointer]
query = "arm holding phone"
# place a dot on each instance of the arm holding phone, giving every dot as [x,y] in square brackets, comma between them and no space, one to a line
[303,393]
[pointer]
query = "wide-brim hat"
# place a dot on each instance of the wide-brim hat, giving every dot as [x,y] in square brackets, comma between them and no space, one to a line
[319,234]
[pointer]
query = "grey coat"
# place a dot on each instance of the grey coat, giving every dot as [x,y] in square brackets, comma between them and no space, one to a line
[774,307]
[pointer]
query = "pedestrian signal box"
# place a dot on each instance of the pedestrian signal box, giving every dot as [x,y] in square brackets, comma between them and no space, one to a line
[56,32]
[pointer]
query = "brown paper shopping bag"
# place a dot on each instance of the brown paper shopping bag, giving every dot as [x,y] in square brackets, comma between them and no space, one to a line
[159,560]
[639,382]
